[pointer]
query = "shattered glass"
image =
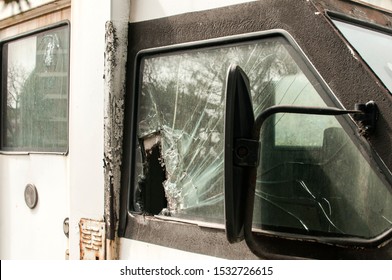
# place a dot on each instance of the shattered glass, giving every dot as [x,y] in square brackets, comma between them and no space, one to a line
[182,98]
[313,178]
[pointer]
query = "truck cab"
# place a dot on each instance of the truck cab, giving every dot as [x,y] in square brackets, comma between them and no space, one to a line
[196,129]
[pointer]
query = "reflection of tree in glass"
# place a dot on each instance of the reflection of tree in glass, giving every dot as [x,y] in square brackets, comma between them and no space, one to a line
[17,2]
[16,78]
[38,99]
[45,96]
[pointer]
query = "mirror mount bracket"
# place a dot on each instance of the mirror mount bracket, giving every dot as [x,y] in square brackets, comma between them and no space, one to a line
[368,117]
[365,114]
[246,152]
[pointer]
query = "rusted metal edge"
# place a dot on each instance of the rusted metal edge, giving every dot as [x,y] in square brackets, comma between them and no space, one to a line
[92,239]
[116,43]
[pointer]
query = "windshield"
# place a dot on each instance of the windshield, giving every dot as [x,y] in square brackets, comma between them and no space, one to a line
[373,46]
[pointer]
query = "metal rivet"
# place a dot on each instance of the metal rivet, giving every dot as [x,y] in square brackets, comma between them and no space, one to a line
[31,196]
[242,152]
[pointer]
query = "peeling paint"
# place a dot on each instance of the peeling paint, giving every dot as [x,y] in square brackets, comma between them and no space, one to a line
[116,40]
[353,53]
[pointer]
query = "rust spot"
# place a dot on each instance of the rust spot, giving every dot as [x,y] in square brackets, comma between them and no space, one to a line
[92,239]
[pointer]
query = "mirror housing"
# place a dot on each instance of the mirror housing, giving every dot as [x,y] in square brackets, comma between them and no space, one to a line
[239,122]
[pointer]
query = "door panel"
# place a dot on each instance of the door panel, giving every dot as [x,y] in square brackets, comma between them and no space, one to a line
[34,143]
[33,233]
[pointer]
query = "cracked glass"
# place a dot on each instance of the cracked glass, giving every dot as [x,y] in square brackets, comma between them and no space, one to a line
[312,178]
[330,191]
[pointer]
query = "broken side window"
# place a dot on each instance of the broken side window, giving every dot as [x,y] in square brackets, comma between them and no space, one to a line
[312,173]
[181,108]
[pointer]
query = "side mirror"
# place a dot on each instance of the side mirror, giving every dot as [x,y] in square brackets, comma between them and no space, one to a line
[242,149]
[239,122]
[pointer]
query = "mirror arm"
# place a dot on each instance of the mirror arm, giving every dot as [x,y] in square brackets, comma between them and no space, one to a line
[368,119]
[246,151]
[365,114]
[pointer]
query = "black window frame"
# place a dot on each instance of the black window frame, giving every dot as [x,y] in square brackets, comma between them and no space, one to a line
[300,58]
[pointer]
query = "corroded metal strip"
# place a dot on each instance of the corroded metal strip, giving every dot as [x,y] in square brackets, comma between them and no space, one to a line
[92,240]
[116,40]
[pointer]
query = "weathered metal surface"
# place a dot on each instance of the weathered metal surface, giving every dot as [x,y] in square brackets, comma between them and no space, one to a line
[92,240]
[114,77]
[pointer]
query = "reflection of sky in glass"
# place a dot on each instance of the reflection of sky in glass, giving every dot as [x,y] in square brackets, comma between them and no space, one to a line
[21,62]
[374,47]
[22,54]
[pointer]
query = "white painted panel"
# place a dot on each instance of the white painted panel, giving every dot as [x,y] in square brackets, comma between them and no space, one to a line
[86,114]
[33,233]
[151,9]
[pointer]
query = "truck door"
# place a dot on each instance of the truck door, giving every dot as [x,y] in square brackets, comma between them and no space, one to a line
[34,144]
